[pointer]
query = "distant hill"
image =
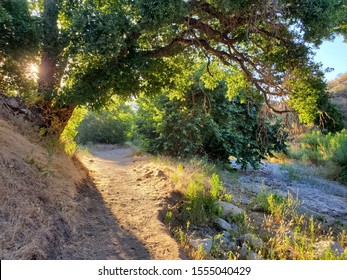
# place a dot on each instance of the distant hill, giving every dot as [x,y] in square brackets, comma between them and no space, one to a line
[338,89]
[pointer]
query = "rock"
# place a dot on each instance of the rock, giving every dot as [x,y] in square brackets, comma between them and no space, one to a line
[229,246]
[252,241]
[205,243]
[254,256]
[159,173]
[257,208]
[222,224]
[243,252]
[322,246]
[226,234]
[224,240]
[235,227]
[232,246]
[13,103]
[148,174]
[228,208]
[245,201]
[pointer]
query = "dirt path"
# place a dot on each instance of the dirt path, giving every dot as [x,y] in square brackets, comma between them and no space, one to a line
[134,191]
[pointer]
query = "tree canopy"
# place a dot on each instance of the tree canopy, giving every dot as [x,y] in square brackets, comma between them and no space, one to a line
[18,44]
[91,50]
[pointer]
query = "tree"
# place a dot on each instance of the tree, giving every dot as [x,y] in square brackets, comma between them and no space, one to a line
[51,49]
[125,47]
[18,45]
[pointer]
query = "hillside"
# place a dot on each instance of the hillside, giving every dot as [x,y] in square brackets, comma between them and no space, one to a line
[338,88]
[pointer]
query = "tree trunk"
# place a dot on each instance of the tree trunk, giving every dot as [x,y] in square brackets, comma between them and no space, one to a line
[54,118]
[50,51]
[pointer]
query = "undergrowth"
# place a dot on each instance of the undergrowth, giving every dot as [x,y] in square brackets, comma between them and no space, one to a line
[287,233]
[327,150]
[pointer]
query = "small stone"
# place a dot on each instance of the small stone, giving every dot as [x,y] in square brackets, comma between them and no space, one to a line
[254,256]
[232,246]
[226,234]
[224,240]
[257,208]
[24,111]
[322,246]
[228,208]
[235,227]
[148,174]
[13,103]
[243,252]
[227,245]
[205,243]
[245,201]
[159,173]
[252,241]
[222,224]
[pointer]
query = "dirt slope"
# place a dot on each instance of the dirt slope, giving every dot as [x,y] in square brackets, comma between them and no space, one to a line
[49,209]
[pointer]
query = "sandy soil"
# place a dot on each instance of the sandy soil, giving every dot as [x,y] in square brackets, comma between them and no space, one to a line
[134,192]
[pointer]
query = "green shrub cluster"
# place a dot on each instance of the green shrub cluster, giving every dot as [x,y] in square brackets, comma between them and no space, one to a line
[201,196]
[112,126]
[206,123]
[320,148]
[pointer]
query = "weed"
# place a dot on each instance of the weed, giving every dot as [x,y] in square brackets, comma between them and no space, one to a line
[227,197]
[292,172]
[242,221]
[278,206]
[200,206]
[200,254]
[216,250]
[168,218]
[216,187]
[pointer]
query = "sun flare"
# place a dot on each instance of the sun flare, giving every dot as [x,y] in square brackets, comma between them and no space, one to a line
[33,71]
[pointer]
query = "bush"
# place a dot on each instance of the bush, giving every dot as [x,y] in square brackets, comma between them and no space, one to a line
[113,126]
[205,123]
[320,148]
[201,198]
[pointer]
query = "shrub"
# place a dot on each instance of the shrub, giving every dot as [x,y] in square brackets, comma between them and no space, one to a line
[206,123]
[113,126]
[320,148]
[200,204]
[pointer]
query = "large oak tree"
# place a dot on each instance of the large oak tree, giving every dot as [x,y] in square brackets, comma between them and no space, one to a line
[92,50]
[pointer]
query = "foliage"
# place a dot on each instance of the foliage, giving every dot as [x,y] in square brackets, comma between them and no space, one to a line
[92,50]
[320,148]
[310,98]
[112,126]
[70,131]
[18,46]
[216,187]
[205,123]
[200,206]
[278,206]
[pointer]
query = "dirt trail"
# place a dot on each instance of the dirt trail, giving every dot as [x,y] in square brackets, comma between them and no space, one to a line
[134,191]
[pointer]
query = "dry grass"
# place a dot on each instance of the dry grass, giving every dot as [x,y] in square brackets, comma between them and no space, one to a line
[37,190]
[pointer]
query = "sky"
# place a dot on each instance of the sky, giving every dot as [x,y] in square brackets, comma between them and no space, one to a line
[333,54]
